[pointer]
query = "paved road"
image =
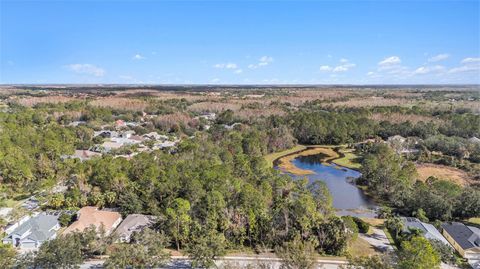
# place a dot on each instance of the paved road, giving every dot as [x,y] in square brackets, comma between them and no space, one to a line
[378,239]
[273,263]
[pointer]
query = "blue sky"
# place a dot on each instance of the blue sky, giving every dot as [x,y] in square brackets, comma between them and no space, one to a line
[234,42]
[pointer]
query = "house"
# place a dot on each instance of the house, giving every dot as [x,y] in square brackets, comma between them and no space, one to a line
[428,230]
[33,232]
[465,239]
[403,145]
[12,226]
[155,136]
[133,223]
[91,216]
[105,134]
[126,134]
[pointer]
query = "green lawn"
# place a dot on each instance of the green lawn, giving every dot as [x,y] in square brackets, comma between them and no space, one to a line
[349,160]
[474,220]
[270,158]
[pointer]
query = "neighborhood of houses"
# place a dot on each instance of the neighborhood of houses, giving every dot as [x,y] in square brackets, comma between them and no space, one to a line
[121,135]
[30,232]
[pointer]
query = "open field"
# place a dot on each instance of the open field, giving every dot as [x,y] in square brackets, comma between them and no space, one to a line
[443,172]
[272,100]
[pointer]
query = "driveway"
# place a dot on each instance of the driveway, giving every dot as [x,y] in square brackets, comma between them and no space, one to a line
[378,239]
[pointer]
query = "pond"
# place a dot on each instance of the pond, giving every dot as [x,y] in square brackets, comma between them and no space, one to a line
[348,199]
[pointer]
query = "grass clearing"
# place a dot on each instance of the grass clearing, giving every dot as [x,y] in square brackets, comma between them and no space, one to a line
[360,247]
[378,223]
[474,220]
[270,158]
[349,160]
[454,175]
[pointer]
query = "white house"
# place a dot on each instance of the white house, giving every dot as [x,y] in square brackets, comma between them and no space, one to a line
[33,232]
[428,230]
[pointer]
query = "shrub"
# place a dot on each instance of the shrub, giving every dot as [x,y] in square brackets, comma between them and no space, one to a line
[363,227]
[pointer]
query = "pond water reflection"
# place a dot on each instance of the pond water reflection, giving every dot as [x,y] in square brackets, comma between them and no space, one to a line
[348,199]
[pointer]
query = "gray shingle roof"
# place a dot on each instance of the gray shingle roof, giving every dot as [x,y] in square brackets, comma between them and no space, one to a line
[462,234]
[134,223]
[39,227]
[428,230]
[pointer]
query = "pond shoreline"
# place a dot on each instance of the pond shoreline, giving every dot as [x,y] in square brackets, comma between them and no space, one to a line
[292,155]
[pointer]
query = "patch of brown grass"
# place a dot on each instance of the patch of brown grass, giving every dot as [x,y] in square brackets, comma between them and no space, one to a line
[214,106]
[120,103]
[53,99]
[373,101]
[374,222]
[443,172]
[252,113]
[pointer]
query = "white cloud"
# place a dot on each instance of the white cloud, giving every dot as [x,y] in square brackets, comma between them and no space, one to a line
[343,66]
[226,66]
[238,71]
[370,73]
[389,61]
[88,69]
[470,60]
[423,70]
[263,61]
[325,68]
[465,68]
[215,80]
[468,65]
[439,57]
[138,57]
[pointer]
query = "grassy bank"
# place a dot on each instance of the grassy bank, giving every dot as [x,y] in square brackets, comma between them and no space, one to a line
[346,159]
[349,160]
[285,163]
[270,158]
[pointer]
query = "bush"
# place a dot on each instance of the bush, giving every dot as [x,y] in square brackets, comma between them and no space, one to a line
[65,219]
[363,227]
